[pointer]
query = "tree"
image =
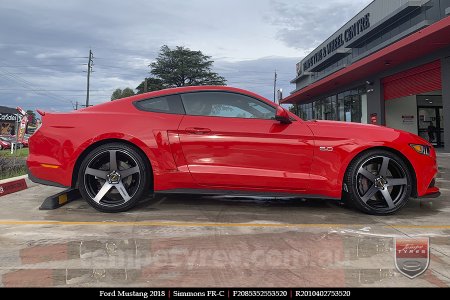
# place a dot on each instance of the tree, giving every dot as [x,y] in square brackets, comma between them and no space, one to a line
[31,117]
[128,92]
[181,67]
[153,84]
[119,93]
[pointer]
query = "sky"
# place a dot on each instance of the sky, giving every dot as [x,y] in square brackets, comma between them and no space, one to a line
[44,44]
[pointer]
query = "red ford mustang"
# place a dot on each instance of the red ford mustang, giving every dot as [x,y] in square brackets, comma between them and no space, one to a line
[221,140]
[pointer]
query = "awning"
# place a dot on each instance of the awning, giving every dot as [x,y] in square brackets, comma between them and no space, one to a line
[418,44]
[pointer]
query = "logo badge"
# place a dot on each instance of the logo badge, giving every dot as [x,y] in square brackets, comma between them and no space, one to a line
[412,256]
[326,149]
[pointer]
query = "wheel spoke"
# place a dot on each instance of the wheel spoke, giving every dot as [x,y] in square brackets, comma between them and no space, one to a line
[367,174]
[112,160]
[128,172]
[384,166]
[397,181]
[369,194]
[123,192]
[97,173]
[105,189]
[387,198]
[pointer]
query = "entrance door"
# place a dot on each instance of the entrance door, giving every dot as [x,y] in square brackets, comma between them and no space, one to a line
[431,124]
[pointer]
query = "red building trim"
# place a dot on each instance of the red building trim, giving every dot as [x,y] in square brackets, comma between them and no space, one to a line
[418,80]
[418,44]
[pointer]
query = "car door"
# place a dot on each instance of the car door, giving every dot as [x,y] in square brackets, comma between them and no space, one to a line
[232,140]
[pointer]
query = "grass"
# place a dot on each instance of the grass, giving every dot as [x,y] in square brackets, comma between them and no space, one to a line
[19,153]
[20,170]
[12,165]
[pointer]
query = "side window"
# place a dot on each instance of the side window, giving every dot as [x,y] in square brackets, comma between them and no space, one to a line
[227,105]
[168,104]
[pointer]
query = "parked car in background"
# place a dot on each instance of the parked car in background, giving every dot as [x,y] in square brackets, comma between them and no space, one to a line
[4,143]
[11,139]
[25,143]
[25,140]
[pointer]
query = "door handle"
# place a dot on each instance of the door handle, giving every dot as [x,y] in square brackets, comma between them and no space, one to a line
[197,130]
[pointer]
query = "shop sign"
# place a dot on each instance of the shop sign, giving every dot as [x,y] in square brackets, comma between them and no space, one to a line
[408,119]
[345,36]
[6,117]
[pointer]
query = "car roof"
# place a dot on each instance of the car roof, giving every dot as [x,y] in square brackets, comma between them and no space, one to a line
[173,91]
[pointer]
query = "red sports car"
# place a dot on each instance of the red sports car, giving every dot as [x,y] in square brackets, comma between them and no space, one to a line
[4,143]
[222,140]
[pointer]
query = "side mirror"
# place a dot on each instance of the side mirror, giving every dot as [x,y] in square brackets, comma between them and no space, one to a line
[282,116]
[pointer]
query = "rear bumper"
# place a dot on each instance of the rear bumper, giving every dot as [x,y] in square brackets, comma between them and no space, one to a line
[43,181]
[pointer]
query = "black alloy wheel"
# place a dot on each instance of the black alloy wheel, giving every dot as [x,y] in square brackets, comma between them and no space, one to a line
[378,182]
[114,177]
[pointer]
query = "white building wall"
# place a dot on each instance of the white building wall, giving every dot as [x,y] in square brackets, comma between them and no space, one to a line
[401,114]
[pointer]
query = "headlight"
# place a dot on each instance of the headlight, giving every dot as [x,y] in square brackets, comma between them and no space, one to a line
[421,149]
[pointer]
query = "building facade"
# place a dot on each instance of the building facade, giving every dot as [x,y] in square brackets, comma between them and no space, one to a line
[389,65]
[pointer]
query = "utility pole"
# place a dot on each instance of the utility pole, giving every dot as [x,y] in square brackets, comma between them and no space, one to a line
[89,71]
[145,85]
[275,87]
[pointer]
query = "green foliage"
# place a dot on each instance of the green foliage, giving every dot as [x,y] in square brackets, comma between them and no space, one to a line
[153,84]
[23,152]
[33,116]
[119,93]
[12,165]
[13,172]
[180,67]
[127,92]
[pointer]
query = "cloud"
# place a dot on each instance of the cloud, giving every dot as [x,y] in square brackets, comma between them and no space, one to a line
[44,44]
[258,75]
[305,24]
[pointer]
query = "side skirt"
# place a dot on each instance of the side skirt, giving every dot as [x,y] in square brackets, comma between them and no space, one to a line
[213,192]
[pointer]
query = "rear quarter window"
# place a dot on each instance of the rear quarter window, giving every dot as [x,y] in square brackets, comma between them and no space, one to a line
[166,104]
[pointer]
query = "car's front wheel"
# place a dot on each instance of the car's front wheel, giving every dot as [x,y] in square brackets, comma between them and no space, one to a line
[114,177]
[378,182]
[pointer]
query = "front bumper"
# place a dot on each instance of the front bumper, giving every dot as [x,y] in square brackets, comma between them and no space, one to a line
[431,193]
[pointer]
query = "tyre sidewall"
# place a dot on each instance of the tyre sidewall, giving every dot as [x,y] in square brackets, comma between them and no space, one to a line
[144,186]
[351,181]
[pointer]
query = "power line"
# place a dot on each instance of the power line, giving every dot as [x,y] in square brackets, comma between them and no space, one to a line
[29,86]
[89,71]
[39,66]
[45,90]
[275,87]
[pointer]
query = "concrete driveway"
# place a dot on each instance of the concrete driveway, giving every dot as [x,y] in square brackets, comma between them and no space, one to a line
[185,241]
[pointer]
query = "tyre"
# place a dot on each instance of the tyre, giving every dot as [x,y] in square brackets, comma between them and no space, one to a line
[114,177]
[378,182]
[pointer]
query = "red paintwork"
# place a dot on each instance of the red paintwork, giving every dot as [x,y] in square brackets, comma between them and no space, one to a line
[230,153]
[5,145]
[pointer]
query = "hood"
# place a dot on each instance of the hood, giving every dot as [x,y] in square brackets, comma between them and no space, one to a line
[361,131]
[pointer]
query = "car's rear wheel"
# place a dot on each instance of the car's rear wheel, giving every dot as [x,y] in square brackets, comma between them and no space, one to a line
[114,177]
[378,182]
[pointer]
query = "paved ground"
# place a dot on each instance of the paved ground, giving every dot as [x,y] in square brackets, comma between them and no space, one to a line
[185,241]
